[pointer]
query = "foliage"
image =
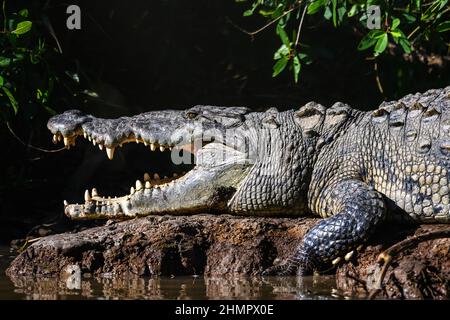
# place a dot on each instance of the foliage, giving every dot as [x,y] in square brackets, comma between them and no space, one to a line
[403,24]
[27,67]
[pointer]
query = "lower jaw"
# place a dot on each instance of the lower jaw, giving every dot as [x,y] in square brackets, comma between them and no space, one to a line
[141,203]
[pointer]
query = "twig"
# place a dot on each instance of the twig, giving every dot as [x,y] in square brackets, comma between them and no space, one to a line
[414,31]
[4,15]
[377,78]
[49,26]
[387,256]
[28,145]
[300,25]
[252,33]
[358,280]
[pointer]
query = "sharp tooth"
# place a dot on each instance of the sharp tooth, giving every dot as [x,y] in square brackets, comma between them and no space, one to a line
[146,177]
[89,138]
[87,196]
[110,153]
[147,185]
[55,139]
[94,142]
[66,203]
[84,134]
[94,192]
[137,140]
[170,148]
[59,137]
[156,176]
[349,255]
[175,175]
[138,185]
[152,147]
[162,148]
[100,146]
[145,143]
[66,141]
[131,190]
[336,261]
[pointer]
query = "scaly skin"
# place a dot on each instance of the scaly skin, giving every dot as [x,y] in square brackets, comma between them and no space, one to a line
[349,167]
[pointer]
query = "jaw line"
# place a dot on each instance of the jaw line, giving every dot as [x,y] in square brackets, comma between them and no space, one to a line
[121,204]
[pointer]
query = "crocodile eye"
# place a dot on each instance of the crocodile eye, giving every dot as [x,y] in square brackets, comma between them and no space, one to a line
[191,114]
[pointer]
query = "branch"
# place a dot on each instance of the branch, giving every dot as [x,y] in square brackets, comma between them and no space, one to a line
[300,25]
[252,33]
[28,145]
[388,255]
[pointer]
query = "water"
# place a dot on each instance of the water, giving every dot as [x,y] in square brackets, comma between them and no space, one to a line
[90,287]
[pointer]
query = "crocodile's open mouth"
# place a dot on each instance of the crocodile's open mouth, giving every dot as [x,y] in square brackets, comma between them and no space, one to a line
[214,164]
[101,204]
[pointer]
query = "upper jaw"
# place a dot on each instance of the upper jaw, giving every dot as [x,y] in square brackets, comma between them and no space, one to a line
[158,130]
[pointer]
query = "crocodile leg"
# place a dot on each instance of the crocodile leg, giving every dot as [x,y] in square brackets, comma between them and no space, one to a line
[357,211]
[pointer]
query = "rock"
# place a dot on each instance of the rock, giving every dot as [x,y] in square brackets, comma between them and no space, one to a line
[217,245]
[167,245]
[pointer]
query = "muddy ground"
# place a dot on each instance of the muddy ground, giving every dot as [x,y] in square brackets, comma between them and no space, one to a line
[227,245]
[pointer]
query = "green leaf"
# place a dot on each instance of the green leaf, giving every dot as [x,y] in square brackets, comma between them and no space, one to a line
[406,46]
[283,51]
[381,44]
[395,34]
[417,2]
[315,6]
[443,26]
[395,23]
[327,14]
[429,14]
[353,11]
[18,56]
[23,27]
[12,100]
[23,13]
[334,3]
[265,13]
[34,59]
[50,110]
[1,81]
[248,12]
[306,59]
[278,12]
[283,35]
[279,66]
[341,13]
[297,66]
[370,39]
[4,62]
[409,18]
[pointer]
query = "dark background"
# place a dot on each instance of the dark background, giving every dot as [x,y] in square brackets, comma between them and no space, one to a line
[148,55]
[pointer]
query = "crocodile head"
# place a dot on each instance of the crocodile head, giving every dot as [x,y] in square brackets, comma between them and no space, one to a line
[242,161]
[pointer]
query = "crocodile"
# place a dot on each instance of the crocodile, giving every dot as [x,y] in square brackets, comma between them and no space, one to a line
[355,169]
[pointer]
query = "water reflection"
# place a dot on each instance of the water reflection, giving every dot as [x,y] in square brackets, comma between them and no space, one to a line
[178,288]
[75,285]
